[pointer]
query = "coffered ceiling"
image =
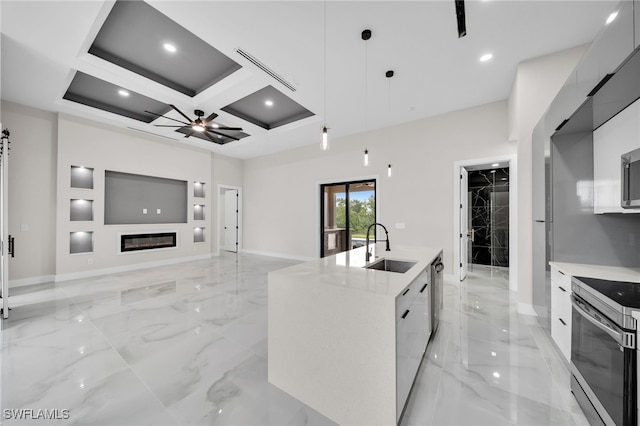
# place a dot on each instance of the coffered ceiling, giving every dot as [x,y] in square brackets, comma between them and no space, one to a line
[278,70]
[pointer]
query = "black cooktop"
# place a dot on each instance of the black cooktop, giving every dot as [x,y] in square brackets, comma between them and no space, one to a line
[625,293]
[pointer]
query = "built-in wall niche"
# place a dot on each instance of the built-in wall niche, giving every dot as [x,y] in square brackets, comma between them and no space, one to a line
[81,177]
[198,212]
[81,210]
[80,242]
[198,235]
[198,189]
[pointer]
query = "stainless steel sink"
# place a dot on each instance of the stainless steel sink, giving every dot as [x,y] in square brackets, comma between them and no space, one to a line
[389,265]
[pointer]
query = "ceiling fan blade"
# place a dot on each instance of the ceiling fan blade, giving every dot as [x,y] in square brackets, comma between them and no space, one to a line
[168,125]
[191,132]
[168,118]
[211,138]
[460,17]
[181,113]
[222,134]
[235,129]
[211,116]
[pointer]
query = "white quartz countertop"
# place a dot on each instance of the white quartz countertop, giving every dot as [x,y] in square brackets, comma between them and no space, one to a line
[612,273]
[346,269]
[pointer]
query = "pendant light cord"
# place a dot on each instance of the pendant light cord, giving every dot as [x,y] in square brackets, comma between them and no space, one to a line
[366,84]
[325,62]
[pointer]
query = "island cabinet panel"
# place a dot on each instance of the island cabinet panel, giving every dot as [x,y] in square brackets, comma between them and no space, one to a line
[346,340]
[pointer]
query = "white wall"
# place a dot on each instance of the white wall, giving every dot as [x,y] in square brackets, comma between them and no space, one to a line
[281,191]
[32,191]
[536,83]
[101,147]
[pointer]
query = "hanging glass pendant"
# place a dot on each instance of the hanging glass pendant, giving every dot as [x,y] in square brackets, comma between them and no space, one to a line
[325,139]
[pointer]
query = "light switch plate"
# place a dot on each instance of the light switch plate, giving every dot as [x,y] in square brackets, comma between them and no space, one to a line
[144,211]
[24,228]
[158,211]
[400,226]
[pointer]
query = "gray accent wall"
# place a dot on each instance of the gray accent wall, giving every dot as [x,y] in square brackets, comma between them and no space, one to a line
[579,235]
[127,196]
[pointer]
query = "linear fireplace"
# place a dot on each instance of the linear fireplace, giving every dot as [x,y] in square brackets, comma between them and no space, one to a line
[136,242]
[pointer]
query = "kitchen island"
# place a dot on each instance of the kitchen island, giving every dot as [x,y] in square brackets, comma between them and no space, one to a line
[347,340]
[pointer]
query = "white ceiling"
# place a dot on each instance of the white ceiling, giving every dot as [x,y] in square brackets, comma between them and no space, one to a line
[43,43]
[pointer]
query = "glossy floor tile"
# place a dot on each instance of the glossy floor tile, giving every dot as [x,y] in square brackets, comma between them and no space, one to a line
[186,344]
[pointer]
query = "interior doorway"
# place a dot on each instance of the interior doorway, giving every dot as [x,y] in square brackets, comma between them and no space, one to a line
[346,211]
[484,217]
[6,241]
[230,218]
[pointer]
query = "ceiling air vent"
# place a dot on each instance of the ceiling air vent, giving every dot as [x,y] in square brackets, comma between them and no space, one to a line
[266,69]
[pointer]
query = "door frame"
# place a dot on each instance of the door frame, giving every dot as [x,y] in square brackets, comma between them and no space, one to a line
[220,216]
[339,181]
[513,212]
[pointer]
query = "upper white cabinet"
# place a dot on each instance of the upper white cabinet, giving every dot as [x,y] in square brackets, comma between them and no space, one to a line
[636,21]
[617,136]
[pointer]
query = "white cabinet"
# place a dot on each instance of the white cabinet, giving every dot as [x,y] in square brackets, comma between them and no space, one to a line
[413,328]
[617,136]
[561,311]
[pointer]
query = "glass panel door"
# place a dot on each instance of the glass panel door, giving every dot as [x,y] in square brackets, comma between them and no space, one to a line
[347,210]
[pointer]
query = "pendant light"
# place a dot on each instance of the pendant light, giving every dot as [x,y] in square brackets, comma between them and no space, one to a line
[324,145]
[366,35]
[389,74]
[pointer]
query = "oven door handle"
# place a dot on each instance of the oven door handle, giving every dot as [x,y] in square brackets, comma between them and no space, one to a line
[617,335]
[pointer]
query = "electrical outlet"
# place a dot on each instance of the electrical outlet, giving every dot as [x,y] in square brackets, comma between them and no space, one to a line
[90,261]
[400,226]
[24,228]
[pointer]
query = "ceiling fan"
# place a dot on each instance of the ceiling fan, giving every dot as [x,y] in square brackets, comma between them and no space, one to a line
[200,125]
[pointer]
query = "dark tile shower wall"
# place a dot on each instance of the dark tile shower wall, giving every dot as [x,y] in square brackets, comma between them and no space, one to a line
[490,216]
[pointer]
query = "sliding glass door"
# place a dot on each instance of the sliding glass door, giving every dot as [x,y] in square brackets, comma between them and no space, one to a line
[346,211]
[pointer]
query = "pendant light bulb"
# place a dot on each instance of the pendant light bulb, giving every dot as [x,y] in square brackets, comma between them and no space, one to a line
[389,171]
[325,139]
[366,157]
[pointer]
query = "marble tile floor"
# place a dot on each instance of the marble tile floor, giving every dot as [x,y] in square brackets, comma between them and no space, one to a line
[186,344]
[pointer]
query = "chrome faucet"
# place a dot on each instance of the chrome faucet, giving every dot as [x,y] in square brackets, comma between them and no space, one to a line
[368,255]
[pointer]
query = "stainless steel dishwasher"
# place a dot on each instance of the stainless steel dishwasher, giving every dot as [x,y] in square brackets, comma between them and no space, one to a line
[437,268]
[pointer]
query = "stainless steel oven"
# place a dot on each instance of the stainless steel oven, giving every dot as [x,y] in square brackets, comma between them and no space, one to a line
[603,350]
[630,164]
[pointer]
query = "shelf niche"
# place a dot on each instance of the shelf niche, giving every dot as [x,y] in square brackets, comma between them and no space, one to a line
[81,177]
[198,212]
[81,210]
[80,242]
[198,235]
[198,189]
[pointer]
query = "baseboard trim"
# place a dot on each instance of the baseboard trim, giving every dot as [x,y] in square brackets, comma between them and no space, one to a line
[280,255]
[31,281]
[127,268]
[527,309]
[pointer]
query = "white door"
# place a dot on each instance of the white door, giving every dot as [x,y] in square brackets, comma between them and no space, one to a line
[4,216]
[464,223]
[231,220]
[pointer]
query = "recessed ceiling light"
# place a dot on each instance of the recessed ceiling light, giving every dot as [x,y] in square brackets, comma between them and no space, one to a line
[123,93]
[268,103]
[612,17]
[169,47]
[495,164]
[486,57]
